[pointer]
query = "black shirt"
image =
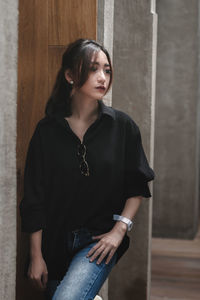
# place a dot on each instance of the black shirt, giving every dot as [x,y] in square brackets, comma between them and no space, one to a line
[59,198]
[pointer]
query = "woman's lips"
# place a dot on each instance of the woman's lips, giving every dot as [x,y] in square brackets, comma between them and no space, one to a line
[101,88]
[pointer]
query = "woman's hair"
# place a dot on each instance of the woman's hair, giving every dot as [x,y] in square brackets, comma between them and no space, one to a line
[77,58]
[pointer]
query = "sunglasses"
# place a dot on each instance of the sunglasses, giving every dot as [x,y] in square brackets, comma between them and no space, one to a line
[83,163]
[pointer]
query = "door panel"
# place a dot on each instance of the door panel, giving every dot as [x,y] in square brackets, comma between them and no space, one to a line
[54,63]
[32,94]
[68,22]
[45,27]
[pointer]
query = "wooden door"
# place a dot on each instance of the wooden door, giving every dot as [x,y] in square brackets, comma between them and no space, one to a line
[45,28]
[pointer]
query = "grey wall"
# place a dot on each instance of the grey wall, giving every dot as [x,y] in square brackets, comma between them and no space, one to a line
[132,93]
[105,19]
[176,196]
[8,102]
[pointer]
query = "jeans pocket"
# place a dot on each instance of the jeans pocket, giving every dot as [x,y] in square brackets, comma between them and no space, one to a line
[78,239]
[83,238]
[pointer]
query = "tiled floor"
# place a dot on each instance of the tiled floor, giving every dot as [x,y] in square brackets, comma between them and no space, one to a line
[175,269]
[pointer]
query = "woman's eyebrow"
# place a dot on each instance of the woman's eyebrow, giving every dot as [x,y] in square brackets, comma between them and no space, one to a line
[97,63]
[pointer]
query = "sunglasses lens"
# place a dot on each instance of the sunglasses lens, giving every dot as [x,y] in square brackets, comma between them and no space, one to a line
[83,164]
[84,167]
[81,150]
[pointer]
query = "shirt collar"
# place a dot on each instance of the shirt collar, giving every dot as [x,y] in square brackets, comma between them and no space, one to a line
[106,110]
[103,110]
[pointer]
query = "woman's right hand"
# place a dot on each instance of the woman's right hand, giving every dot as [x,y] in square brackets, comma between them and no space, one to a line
[37,272]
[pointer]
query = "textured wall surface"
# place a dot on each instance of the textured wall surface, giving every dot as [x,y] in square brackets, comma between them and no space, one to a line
[132,93]
[105,19]
[175,210]
[8,99]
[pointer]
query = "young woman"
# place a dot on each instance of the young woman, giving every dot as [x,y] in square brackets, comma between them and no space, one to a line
[85,176]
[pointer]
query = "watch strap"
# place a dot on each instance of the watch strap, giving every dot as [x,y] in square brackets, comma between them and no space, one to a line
[125,220]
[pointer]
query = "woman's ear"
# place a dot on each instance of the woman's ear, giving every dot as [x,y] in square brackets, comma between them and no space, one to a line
[68,76]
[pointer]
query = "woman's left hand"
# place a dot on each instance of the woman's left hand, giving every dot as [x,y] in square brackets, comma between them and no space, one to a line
[109,242]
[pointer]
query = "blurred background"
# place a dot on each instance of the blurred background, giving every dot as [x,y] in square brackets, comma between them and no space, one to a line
[155,52]
[176,248]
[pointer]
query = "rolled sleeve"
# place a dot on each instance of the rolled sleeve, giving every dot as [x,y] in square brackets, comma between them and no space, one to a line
[137,170]
[32,206]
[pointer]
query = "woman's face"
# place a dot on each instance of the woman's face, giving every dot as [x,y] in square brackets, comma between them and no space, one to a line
[99,77]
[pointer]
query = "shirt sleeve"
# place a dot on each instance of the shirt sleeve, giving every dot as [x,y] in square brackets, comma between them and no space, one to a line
[32,206]
[137,170]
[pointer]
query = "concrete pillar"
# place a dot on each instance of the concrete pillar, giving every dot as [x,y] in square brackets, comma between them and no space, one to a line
[134,92]
[105,18]
[8,102]
[176,194]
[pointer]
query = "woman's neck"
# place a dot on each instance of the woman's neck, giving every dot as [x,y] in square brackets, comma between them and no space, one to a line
[84,109]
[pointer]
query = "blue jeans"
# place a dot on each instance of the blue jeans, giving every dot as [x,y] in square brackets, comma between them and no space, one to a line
[83,279]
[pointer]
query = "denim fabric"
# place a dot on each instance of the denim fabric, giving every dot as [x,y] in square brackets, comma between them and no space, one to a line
[83,279]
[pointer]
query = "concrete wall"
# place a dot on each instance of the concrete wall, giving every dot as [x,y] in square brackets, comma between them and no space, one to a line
[105,19]
[8,100]
[176,195]
[133,86]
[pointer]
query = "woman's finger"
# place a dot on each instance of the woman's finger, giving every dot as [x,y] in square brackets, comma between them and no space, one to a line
[110,256]
[98,236]
[93,249]
[103,254]
[36,283]
[44,279]
[97,252]
[39,283]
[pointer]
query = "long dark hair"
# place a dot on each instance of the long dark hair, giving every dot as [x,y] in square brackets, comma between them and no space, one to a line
[77,57]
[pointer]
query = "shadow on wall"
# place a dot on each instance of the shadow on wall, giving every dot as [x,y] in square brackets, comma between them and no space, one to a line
[137,288]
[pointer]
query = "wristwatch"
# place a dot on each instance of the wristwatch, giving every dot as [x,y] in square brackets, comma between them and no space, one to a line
[125,220]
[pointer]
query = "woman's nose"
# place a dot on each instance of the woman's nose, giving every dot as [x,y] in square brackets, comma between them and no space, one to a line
[101,76]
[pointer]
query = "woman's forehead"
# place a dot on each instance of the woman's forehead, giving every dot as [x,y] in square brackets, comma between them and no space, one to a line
[100,58]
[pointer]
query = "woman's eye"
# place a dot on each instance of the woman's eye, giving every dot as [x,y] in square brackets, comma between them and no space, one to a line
[108,71]
[93,69]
